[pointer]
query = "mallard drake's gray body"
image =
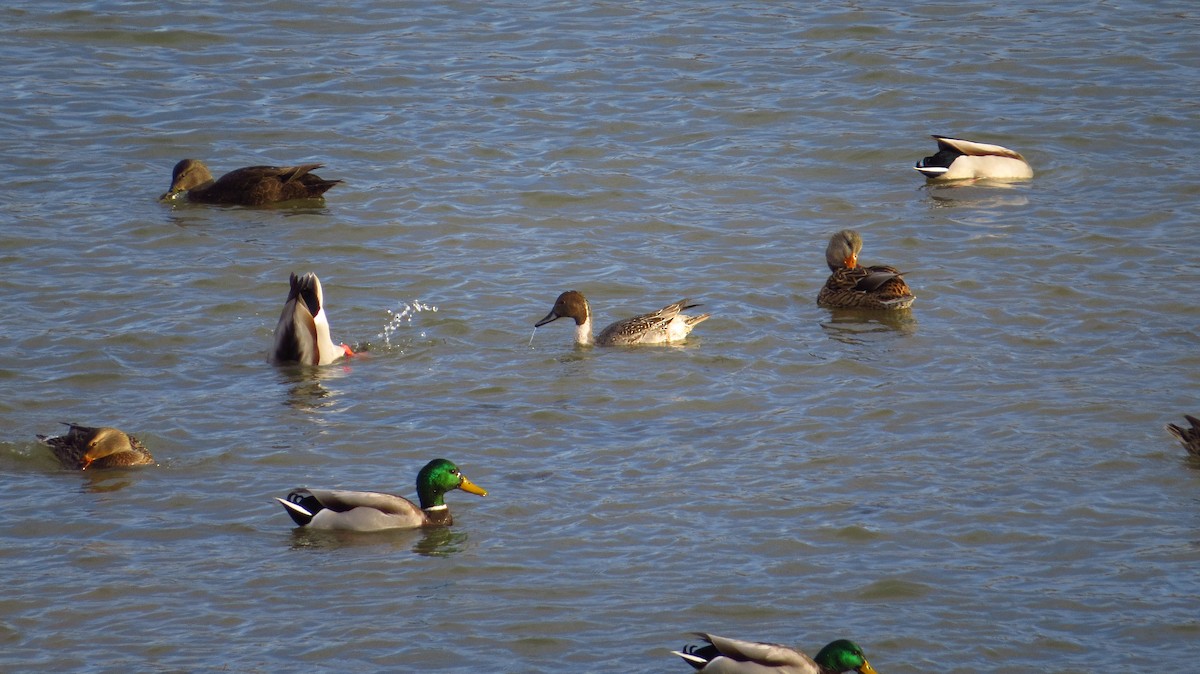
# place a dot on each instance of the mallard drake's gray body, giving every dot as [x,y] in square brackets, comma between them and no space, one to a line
[723,655]
[372,511]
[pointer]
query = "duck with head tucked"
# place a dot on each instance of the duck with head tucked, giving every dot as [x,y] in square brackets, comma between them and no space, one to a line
[249,186]
[373,511]
[302,333]
[959,159]
[852,286]
[1189,437]
[722,655]
[87,447]
[665,326]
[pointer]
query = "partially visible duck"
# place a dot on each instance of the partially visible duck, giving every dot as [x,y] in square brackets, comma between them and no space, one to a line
[250,186]
[959,159]
[84,447]
[723,655]
[851,286]
[372,511]
[302,333]
[1190,437]
[664,326]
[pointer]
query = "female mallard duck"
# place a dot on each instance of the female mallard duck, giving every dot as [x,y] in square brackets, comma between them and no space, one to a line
[1190,437]
[723,655]
[664,326]
[302,333]
[86,447]
[372,511]
[959,159]
[250,186]
[853,287]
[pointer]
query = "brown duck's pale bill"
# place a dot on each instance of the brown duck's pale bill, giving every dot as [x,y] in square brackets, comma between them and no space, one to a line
[471,488]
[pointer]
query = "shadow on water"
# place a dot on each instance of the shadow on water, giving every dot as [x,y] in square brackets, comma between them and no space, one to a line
[982,194]
[850,326]
[428,542]
[305,387]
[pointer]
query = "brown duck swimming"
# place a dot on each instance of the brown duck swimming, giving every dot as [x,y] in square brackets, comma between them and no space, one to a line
[1190,437]
[250,186]
[853,287]
[85,447]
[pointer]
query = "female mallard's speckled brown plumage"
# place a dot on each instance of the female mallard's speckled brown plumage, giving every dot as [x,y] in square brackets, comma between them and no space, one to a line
[85,447]
[1190,437]
[853,287]
[722,655]
[250,186]
[959,159]
[664,326]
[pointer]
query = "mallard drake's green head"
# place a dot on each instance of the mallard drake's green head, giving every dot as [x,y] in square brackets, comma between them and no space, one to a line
[438,477]
[844,655]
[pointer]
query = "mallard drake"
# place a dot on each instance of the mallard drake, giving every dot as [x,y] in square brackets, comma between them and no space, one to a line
[302,333]
[723,655]
[249,186]
[959,159]
[660,327]
[85,447]
[853,287]
[372,511]
[1190,437]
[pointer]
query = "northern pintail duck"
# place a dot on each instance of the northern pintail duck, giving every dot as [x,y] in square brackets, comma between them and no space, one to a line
[722,655]
[250,186]
[372,511]
[851,286]
[959,159]
[1190,437]
[302,333]
[664,326]
[84,447]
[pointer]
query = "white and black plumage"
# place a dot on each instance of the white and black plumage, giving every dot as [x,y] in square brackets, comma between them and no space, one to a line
[959,159]
[302,333]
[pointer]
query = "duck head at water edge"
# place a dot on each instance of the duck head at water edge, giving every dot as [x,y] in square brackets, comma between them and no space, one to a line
[249,186]
[87,447]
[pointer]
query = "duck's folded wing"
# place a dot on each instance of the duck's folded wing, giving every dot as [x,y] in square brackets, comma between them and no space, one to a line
[971,148]
[759,652]
[341,501]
